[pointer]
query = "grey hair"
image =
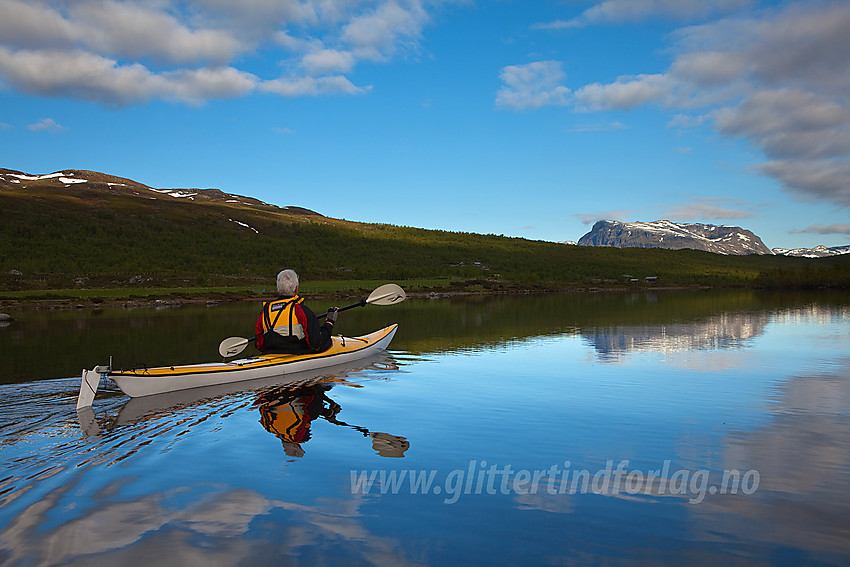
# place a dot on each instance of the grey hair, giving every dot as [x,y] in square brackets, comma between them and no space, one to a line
[287,282]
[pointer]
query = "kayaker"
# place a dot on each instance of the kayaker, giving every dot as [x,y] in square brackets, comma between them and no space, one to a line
[286,325]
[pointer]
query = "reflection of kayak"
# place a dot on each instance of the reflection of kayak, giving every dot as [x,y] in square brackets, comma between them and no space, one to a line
[148,381]
[135,409]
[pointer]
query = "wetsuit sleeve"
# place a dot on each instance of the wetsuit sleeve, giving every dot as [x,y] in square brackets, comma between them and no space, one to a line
[317,335]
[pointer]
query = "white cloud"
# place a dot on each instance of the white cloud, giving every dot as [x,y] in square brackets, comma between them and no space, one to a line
[778,78]
[33,25]
[709,69]
[312,86]
[599,127]
[85,76]
[47,125]
[825,229]
[633,11]
[821,180]
[533,85]
[624,94]
[687,121]
[590,218]
[128,52]
[377,34]
[137,31]
[260,18]
[115,29]
[328,61]
[706,209]
[197,85]
[790,123]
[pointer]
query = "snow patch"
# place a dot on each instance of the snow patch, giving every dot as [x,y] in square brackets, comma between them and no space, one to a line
[177,194]
[245,225]
[37,177]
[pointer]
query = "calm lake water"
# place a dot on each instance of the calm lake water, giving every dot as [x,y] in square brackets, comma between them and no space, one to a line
[697,428]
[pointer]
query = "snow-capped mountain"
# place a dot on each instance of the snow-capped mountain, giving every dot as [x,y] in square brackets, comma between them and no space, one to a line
[667,234]
[816,252]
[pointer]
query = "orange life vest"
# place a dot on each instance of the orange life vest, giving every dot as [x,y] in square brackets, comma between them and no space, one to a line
[280,325]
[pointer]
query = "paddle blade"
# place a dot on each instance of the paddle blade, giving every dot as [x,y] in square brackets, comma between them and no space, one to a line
[88,388]
[232,346]
[387,294]
[387,445]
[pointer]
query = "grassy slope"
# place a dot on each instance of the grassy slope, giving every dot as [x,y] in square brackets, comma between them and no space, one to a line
[86,237]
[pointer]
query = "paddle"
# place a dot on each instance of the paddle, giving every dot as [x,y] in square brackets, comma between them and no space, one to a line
[387,294]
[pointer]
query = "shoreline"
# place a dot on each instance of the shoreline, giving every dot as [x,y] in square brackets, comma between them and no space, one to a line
[65,303]
[122,298]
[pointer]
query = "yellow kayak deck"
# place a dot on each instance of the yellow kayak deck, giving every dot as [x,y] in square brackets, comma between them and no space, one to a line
[340,346]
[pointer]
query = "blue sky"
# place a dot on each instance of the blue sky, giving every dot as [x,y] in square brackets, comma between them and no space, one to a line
[530,119]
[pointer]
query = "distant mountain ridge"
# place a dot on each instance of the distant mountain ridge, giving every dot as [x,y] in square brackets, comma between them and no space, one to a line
[732,240]
[816,252]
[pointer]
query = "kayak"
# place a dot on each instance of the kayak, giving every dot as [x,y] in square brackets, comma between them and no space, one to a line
[148,381]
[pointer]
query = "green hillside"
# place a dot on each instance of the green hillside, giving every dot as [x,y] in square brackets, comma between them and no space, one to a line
[97,235]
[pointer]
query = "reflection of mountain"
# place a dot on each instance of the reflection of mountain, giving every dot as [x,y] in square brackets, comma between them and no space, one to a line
[727,330]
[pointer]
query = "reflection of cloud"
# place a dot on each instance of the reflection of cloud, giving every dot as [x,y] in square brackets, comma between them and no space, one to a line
[150,527]
[542,500]
[117,525]
[709,360]
[337,522]
[803,458]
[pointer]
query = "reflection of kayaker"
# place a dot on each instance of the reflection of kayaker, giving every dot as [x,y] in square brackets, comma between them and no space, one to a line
[288,412]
